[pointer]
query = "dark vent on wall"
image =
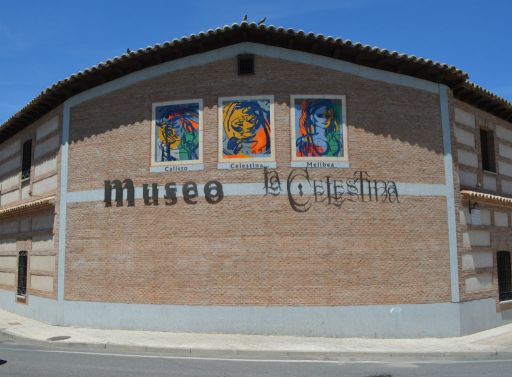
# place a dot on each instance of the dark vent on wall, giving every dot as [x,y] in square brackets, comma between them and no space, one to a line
[245,64]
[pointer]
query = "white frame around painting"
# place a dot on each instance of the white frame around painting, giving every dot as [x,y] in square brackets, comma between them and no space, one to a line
[181,164]
[221,157]
[341,161]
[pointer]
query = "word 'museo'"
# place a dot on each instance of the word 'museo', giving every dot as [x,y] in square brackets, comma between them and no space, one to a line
[303,190]
[213,192]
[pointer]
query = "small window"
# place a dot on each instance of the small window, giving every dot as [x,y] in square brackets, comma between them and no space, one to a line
[476,218]
[27,160]
[22,273]
[487,150]
[504,276]
[245,64]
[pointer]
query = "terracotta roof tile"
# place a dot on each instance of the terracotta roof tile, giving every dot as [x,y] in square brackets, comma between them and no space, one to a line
[490,198]
[39,203]
[347,50]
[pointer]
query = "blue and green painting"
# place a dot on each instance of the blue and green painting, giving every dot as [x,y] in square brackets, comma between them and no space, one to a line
[177,132]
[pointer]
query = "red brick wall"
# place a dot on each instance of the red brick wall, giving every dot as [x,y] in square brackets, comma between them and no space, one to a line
[256,250]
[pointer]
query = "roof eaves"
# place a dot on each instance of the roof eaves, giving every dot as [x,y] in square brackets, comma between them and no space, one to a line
[483,99]
[336,48]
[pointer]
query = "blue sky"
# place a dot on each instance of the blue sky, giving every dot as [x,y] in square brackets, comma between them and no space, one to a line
[42,42]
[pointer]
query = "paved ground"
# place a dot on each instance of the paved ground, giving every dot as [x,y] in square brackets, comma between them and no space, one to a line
[495,343]
[30,348]
[20,360]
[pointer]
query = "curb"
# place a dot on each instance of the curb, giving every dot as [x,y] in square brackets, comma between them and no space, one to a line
[251,354]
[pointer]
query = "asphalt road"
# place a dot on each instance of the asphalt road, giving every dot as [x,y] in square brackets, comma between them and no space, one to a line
[19,360]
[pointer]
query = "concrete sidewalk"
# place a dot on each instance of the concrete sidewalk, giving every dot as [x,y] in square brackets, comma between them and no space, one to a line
[491,343]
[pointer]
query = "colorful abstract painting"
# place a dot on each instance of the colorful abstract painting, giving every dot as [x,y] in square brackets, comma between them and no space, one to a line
[246,128]
[318,128]
[176,132]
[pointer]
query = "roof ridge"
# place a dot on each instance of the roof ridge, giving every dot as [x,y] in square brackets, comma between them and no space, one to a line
[337,48]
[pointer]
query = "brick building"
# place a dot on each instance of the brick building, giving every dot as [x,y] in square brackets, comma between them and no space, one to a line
[259,180]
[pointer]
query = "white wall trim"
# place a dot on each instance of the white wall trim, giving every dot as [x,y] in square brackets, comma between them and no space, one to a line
[258,189]
[63,201]
[450,192]
[257,49]
[381,321]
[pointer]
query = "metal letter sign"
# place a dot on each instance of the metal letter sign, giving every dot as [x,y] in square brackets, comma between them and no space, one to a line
[116,184]
[302,190]
[213,193]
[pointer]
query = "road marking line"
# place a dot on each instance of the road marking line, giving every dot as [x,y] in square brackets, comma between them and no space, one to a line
[437,361]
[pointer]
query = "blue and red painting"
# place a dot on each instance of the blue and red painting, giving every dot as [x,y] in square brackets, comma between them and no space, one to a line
[318,127]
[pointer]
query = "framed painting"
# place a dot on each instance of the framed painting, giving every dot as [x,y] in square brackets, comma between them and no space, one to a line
[318,129]
[177,133]
[246,129]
